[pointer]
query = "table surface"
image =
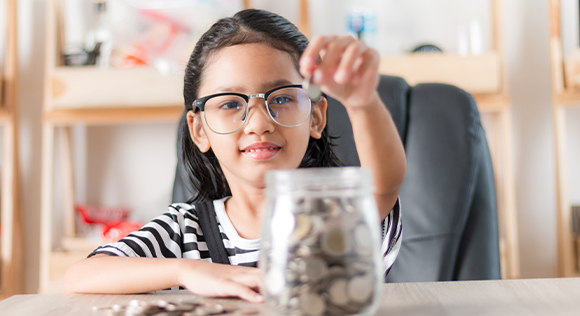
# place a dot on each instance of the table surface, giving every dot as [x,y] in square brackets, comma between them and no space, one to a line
[505,297]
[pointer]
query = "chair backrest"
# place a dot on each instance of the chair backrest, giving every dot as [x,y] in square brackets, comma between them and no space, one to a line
[448,197]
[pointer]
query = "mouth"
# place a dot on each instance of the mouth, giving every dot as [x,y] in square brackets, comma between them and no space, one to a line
[261,151]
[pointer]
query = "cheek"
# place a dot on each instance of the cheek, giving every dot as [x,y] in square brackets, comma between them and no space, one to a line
[298,139]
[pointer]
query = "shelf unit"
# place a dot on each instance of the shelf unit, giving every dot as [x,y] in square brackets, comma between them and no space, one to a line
[485,77]
[89,96]
[11,274]
[565,95]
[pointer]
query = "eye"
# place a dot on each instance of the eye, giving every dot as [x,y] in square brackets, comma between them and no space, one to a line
[231,105]
[281,99]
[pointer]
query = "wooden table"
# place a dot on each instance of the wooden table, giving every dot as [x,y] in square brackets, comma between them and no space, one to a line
[507,297]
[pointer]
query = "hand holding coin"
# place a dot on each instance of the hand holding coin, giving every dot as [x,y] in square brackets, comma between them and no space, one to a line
[347,71]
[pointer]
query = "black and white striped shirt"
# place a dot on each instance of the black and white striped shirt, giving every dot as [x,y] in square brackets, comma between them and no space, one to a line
[176,234]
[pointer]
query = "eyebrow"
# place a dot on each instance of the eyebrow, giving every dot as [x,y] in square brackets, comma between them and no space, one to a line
[265,87]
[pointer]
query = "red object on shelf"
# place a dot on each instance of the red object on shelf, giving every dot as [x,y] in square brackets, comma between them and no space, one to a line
[92,214]
[118,231]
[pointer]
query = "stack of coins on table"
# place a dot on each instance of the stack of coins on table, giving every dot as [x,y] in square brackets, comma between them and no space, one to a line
[328,268]
[166,308]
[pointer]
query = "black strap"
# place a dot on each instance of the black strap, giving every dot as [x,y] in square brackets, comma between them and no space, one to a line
[211,231]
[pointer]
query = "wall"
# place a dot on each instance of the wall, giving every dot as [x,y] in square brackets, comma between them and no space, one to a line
[116,155]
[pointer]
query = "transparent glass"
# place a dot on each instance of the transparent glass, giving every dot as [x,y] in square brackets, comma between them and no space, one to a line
[226,113]
[320,252]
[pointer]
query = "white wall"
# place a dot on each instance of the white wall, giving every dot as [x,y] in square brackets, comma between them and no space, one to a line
[116,156]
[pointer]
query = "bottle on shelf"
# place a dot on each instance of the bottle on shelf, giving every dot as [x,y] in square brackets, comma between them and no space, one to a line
[100,34]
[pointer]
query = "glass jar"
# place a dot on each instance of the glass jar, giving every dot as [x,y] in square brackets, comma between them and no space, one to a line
[320,252]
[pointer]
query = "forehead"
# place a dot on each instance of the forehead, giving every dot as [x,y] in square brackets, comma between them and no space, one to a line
[247,67]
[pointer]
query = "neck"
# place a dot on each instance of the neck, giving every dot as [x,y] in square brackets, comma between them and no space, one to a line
[245,209]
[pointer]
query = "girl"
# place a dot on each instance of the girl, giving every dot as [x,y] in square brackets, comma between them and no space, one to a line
[240,125]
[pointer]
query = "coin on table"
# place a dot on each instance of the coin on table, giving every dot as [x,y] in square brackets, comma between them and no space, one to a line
[360,288]
[335,242]
[203,310]
[313,90]
[312,304]
[337,291]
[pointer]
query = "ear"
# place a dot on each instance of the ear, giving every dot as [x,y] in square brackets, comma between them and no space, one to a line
[318,118]
[197,132]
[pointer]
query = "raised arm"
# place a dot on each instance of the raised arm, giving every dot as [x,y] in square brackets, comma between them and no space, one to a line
[348,72]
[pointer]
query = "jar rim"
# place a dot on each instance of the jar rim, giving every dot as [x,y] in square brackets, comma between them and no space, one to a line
[317,179]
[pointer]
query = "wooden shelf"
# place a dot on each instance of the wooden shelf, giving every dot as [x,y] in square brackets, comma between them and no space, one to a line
[474,74]
[568,99]
[90,87]
[118,115]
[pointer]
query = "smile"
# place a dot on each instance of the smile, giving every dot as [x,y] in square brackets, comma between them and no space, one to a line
[261,149]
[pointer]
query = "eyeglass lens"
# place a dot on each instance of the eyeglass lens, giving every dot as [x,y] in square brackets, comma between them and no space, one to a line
[288,107]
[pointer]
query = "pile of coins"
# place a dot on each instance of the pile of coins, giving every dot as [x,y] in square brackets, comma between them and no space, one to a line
[328,268]
[165,308]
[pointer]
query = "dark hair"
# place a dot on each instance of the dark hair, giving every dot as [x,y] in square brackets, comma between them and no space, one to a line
[203,171]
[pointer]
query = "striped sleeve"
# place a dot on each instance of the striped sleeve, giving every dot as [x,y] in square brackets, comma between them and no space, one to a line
[160,238]
[392,237]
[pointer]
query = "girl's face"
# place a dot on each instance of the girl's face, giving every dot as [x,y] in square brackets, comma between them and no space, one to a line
[261,144]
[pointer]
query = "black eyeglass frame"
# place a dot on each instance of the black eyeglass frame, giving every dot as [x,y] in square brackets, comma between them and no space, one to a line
[200,104]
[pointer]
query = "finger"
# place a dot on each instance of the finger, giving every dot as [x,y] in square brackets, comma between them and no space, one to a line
[311,53]
[334,53]
[369,66]
[243,292]
[349,63]
[251,279]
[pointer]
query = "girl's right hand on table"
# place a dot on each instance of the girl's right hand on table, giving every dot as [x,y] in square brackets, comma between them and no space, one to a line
[214,279]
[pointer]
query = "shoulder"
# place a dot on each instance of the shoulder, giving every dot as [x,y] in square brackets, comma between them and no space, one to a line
[182,209]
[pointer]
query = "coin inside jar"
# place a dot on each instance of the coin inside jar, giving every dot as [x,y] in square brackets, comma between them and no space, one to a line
[302,228]
[313,90]
[312,304]
[312,268]
[360,288]
[362,238]
[337,291]
[335,242]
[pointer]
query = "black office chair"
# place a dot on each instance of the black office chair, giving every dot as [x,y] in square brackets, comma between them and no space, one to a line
[448,201]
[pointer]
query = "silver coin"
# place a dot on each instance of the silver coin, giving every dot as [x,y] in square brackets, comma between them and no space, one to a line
[335,242]
[302,227]
[313,90]
[360,288]
[304,251]
[337,291]
[332,207]
[362,238]
[312,304]
[313,269]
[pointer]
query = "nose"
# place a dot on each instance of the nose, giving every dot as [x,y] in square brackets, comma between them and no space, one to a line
[258,120]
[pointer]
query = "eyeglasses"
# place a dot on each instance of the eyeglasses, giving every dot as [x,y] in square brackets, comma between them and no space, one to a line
[226,113]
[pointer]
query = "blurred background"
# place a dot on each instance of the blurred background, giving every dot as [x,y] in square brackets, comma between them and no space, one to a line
[126,167]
